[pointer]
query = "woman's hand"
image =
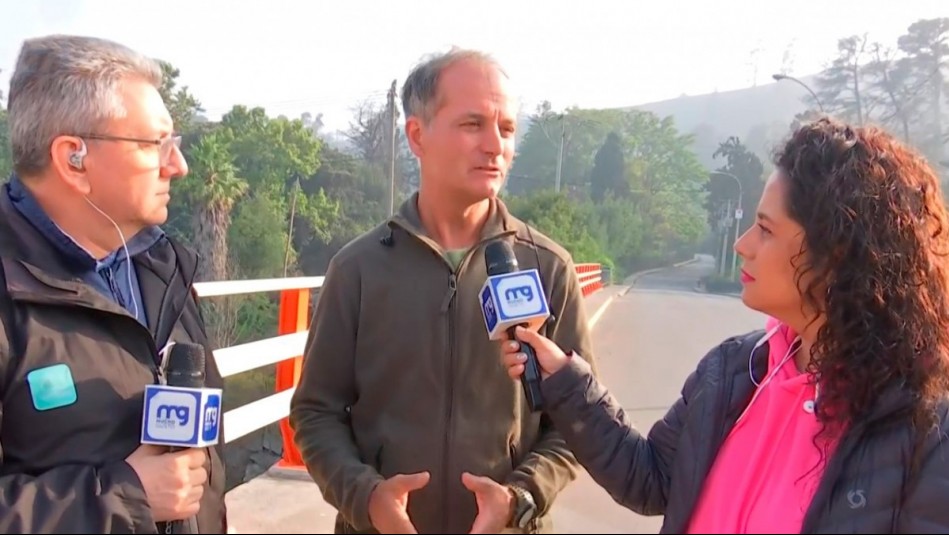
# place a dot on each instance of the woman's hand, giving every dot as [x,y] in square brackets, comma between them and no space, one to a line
[550,357]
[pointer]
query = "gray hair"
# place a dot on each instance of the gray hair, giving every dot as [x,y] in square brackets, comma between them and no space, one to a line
[420,90]
[67,85]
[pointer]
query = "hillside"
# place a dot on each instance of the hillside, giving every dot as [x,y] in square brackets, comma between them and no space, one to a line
[759,116]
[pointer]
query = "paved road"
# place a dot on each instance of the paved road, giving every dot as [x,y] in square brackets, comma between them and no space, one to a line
[647,342]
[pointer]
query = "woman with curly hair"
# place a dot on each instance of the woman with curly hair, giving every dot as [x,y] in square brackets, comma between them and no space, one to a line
[833,418]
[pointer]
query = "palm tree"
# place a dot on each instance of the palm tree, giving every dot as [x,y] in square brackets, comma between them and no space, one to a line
[213,188]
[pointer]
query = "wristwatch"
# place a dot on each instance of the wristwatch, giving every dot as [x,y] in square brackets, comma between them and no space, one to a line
[525,509]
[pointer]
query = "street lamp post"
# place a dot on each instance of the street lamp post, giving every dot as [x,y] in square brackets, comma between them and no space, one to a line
[779,77]
[737,218]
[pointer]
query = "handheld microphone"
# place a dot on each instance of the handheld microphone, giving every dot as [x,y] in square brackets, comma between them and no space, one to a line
[511,298]
[181,412]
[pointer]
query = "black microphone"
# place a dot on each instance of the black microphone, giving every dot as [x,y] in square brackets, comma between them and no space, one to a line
[512,298]
[186,364]
[187,405]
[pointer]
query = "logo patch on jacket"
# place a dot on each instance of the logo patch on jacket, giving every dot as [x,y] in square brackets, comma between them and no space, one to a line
[52,387]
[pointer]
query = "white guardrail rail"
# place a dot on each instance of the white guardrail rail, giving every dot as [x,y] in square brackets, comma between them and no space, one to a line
[241,358]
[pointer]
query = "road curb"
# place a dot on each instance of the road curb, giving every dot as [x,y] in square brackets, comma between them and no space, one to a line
[630,281]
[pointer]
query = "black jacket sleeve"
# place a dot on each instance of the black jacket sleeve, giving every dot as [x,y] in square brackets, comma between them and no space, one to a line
[634,469]
[75,499]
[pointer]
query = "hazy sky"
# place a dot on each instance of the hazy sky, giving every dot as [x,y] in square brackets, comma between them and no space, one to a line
[321,56]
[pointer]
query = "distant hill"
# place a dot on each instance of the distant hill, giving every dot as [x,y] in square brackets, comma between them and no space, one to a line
[760,116]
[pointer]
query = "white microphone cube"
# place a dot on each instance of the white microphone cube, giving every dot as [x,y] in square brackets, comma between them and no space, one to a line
[181,417]
[512,299]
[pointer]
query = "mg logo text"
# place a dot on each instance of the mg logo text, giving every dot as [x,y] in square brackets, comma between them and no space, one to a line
[519,292]
[177,412]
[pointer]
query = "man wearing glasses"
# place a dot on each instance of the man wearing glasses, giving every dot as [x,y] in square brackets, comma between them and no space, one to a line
[90,290]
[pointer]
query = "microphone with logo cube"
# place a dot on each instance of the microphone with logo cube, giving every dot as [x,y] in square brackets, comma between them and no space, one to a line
[511,298]
[181,413]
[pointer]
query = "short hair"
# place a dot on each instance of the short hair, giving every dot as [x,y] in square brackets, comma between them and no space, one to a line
[66,84]
[420,90]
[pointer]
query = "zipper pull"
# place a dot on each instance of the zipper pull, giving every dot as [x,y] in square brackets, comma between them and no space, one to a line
[452,287]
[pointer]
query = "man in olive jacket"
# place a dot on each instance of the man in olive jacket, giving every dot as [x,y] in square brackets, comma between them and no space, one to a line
[402,396]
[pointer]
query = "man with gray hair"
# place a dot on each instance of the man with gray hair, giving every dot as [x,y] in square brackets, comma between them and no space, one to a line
[90,290]
[402,415]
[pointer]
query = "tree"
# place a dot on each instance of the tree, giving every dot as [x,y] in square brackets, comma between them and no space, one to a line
[890,80]
[213,190]
[313,124]
[535,166]
[657,183]
[839,86]
[746,167]
[566,222]
[182,105]
[926,45]
[6,158]
[361,193]
[609,170]
[271,153]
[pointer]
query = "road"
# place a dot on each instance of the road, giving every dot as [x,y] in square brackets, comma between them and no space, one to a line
[646,343]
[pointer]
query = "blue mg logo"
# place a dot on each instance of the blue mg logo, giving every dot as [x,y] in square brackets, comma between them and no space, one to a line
[519,295]
[171,415]
[487,308]
[212,418]
[517,292]
[178,412]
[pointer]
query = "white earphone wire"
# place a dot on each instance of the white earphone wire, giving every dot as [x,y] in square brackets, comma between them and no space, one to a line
[128,257]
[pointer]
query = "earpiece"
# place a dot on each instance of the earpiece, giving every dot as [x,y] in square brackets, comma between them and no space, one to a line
[75,158]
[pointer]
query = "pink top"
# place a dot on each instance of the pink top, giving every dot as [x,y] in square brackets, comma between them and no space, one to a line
[768,468]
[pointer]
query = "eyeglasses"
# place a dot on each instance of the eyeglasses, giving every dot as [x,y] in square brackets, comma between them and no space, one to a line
[164,145]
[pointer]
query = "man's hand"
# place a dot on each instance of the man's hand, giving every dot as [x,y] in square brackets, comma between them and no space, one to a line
[495,504]
[389,500]
[173,482]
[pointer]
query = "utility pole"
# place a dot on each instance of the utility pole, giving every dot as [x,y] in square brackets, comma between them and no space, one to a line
[726,226]
[738,215]
[293,213]
[563,134]
[392,148]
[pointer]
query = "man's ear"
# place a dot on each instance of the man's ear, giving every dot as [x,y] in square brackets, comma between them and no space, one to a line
[68,159]
[415,134]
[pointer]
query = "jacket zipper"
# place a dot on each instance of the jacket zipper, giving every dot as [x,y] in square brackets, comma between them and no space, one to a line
[449,375]
[449,312]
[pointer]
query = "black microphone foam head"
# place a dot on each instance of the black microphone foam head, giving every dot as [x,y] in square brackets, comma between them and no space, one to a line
[499,258]
[186,365]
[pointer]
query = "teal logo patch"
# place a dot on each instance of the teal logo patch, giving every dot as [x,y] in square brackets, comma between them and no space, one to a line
[52,387]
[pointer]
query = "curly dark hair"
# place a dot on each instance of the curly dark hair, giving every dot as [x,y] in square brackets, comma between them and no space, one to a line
[876,260]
